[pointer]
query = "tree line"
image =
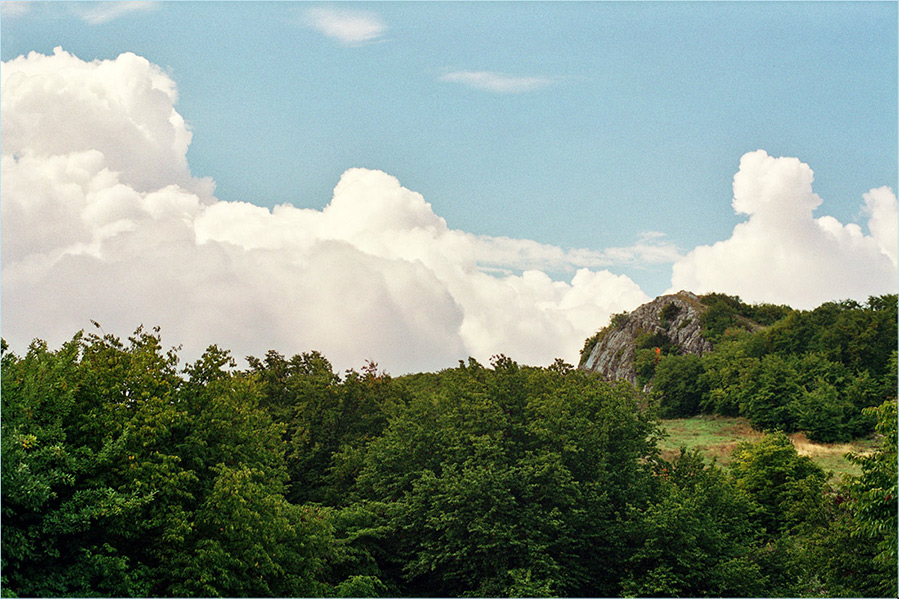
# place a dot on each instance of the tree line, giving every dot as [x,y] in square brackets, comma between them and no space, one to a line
[127,474]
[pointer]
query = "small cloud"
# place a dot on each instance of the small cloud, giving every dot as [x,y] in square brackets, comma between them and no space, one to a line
[348,27]
[103,12]
[14,9]
[497,83]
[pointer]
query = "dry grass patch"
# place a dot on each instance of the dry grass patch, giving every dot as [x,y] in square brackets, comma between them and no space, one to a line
[810,448]
[832,456]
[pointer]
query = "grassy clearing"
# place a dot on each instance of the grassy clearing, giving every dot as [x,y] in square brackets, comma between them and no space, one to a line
[717,436]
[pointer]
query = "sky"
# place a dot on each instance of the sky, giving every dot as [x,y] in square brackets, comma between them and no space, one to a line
[414,183]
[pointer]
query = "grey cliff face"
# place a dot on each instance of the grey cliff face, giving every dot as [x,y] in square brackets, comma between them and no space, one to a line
[675,316]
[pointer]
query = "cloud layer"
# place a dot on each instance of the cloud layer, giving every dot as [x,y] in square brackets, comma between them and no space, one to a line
[783,254]
[101,219]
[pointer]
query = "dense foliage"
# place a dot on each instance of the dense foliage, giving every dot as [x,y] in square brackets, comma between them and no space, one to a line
[815,371]
[125,474]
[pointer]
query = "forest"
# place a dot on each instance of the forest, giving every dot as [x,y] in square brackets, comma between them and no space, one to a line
[126,473]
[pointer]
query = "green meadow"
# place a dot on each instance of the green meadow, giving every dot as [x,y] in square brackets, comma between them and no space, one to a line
[717,436]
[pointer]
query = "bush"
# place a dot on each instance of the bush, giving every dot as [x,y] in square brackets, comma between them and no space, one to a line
[770,396]
[824,415]
[681,385]
[667,314]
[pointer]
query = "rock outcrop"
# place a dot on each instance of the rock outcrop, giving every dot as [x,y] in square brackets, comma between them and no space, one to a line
[675,317]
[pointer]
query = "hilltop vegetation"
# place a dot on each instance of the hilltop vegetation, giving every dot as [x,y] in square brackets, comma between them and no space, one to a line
[789,370]
[127,474]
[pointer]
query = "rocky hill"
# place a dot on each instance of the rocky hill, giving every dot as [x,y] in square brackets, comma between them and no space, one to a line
[669,323]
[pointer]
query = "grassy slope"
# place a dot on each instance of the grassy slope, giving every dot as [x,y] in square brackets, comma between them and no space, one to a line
[717,436]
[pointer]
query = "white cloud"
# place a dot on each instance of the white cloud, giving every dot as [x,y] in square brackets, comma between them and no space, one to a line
[783,254]
[498,83]
[880,205]
[100,13]
[123,108]
[527,315]
[523,254]
[102,220]
[349,27]
[10,9]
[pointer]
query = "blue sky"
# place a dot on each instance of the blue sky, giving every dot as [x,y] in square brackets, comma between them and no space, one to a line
[650,107]
[579,125]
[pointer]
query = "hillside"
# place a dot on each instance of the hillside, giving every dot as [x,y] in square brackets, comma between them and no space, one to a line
[815,371]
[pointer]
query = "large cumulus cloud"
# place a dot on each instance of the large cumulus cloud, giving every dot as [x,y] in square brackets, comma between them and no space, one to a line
[124,109]
[102,220]
[783,254]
